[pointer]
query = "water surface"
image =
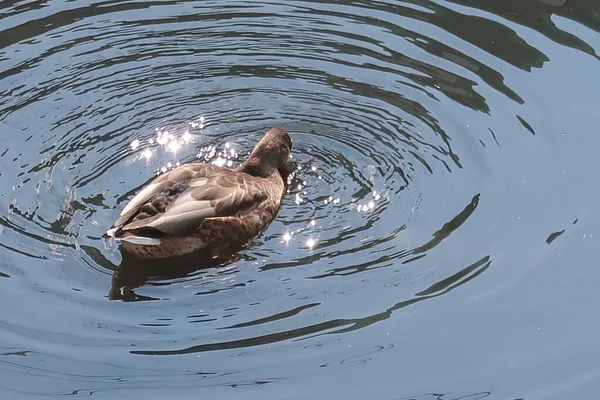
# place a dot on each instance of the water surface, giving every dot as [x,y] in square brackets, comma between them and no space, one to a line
[438,240]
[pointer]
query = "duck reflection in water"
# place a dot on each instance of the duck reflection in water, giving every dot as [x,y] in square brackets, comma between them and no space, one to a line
[135,272]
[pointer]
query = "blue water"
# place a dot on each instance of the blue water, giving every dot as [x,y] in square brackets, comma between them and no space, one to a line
[438,242]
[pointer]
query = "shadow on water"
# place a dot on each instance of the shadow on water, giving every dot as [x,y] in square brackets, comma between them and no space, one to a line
[135,272]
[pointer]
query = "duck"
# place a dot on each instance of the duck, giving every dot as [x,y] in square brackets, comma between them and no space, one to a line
[203,206]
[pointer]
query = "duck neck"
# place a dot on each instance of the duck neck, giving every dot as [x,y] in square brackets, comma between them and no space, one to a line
[254,167]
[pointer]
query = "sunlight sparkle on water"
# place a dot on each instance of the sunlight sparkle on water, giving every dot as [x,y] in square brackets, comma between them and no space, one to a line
[199,124]
[186,136]
[147,154]
[135,144]
[287,237]
[173,146]
[163,138]
[219,162]
[211,151]
[370,205]
[310,243]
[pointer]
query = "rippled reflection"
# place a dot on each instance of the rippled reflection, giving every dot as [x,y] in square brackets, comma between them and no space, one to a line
[132,273]
[428,143]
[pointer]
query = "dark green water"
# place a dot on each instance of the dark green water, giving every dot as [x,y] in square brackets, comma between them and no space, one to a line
[447,156]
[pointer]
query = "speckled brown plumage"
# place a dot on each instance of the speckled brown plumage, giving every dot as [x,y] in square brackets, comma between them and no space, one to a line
[198,205]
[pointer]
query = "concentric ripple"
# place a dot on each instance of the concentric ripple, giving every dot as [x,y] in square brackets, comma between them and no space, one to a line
[400,113]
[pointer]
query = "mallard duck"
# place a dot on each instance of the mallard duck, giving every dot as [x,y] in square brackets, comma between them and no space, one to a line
[198,206]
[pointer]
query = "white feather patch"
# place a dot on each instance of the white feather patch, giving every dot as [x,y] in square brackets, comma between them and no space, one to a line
[142,241]
[111,232]
[192,205]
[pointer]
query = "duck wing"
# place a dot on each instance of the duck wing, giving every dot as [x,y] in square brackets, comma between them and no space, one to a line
[178,202]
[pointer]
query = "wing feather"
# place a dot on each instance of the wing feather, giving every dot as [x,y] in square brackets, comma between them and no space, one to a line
[205,193]
[143,196]
[181,224]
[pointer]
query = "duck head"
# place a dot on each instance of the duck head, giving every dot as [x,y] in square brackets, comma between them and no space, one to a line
[270,154]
